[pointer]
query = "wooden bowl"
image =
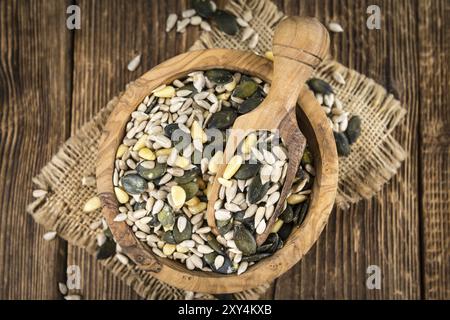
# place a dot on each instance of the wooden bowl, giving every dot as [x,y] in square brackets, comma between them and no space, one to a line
[314,125]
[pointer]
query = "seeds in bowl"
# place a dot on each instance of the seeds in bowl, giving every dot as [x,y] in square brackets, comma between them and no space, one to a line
[168,160]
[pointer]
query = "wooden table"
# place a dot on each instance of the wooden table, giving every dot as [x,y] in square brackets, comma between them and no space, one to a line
[53,80]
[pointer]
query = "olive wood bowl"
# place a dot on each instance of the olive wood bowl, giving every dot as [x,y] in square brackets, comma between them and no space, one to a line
[312,122]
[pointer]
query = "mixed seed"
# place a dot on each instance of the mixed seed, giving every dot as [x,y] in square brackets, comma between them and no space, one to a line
[168,160]
[205,12]
[346,128]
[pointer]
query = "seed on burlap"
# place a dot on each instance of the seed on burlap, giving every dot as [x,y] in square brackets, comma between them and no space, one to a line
[48,236]
[93,204]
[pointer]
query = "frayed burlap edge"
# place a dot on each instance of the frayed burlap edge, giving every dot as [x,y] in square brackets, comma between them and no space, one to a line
[376,156]
[60,210]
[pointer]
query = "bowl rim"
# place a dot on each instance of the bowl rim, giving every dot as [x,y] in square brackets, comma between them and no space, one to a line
[300,240]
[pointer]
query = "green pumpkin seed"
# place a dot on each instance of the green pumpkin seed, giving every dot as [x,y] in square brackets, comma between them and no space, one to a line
[168,237]
[185,235]
[227,266]
[247,171]
[307,157]
[170,129]
[250,104]
[246,88]
[134,184]
[214,244]
[188,176]
[287,215]
[191,189]
[285,231]
[256,257]
[300,213]
[224,226]
[108,249]
[244,240]
[319,86]
[354,129]
[223,119]
[203,8]
[150,174]
[166,217]
[219,76]
[270,245]
[256,190]
[342,144]
[226,22]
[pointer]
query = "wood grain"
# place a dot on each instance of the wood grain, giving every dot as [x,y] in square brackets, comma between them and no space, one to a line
[382,231]
[434,53]
[35,74]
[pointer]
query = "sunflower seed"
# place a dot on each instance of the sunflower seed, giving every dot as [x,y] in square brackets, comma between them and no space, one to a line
[48,236]
[335,27]
[134,63]
[182,24]
[188,13]
[253,41]
[171,21]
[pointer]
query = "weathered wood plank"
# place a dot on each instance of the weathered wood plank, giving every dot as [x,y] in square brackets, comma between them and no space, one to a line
[108,39]
[35,88]
[383,231]
[434,78]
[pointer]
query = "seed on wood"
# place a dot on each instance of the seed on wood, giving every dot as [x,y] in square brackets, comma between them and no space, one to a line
[48,236]
[171,21]
[335,27]
[134,63]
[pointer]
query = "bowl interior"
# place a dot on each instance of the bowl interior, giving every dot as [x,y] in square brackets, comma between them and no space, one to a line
[311,121]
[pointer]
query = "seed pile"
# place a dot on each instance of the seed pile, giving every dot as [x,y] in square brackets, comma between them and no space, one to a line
[204,12]
[346,129]
[167,162]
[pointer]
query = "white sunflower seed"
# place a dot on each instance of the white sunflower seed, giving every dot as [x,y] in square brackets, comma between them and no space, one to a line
[48,236]
[335,27]
[134,63]
[171,21]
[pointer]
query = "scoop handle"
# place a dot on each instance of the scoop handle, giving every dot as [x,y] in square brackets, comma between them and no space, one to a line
[299,45]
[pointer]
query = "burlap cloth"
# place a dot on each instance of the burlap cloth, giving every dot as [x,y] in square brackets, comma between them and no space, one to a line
[375,157]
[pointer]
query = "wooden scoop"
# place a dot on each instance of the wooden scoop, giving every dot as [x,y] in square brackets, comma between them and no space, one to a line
[299,46]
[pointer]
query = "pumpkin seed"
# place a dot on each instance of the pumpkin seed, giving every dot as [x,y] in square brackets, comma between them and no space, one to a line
[257,190]
[184,234]
[108,249]
[188,176]
[285,230]
[287,215]
[191,189]
[166,218]
[342,144]
[353,129]
[300,213]
[224,226]
[223,119]
[219,76]
[203,8]
[226,22]
[168,237]
[307,157]
[319,86]
[249,104]
[134,184]
[151,174]
[246,88]
[244,240]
